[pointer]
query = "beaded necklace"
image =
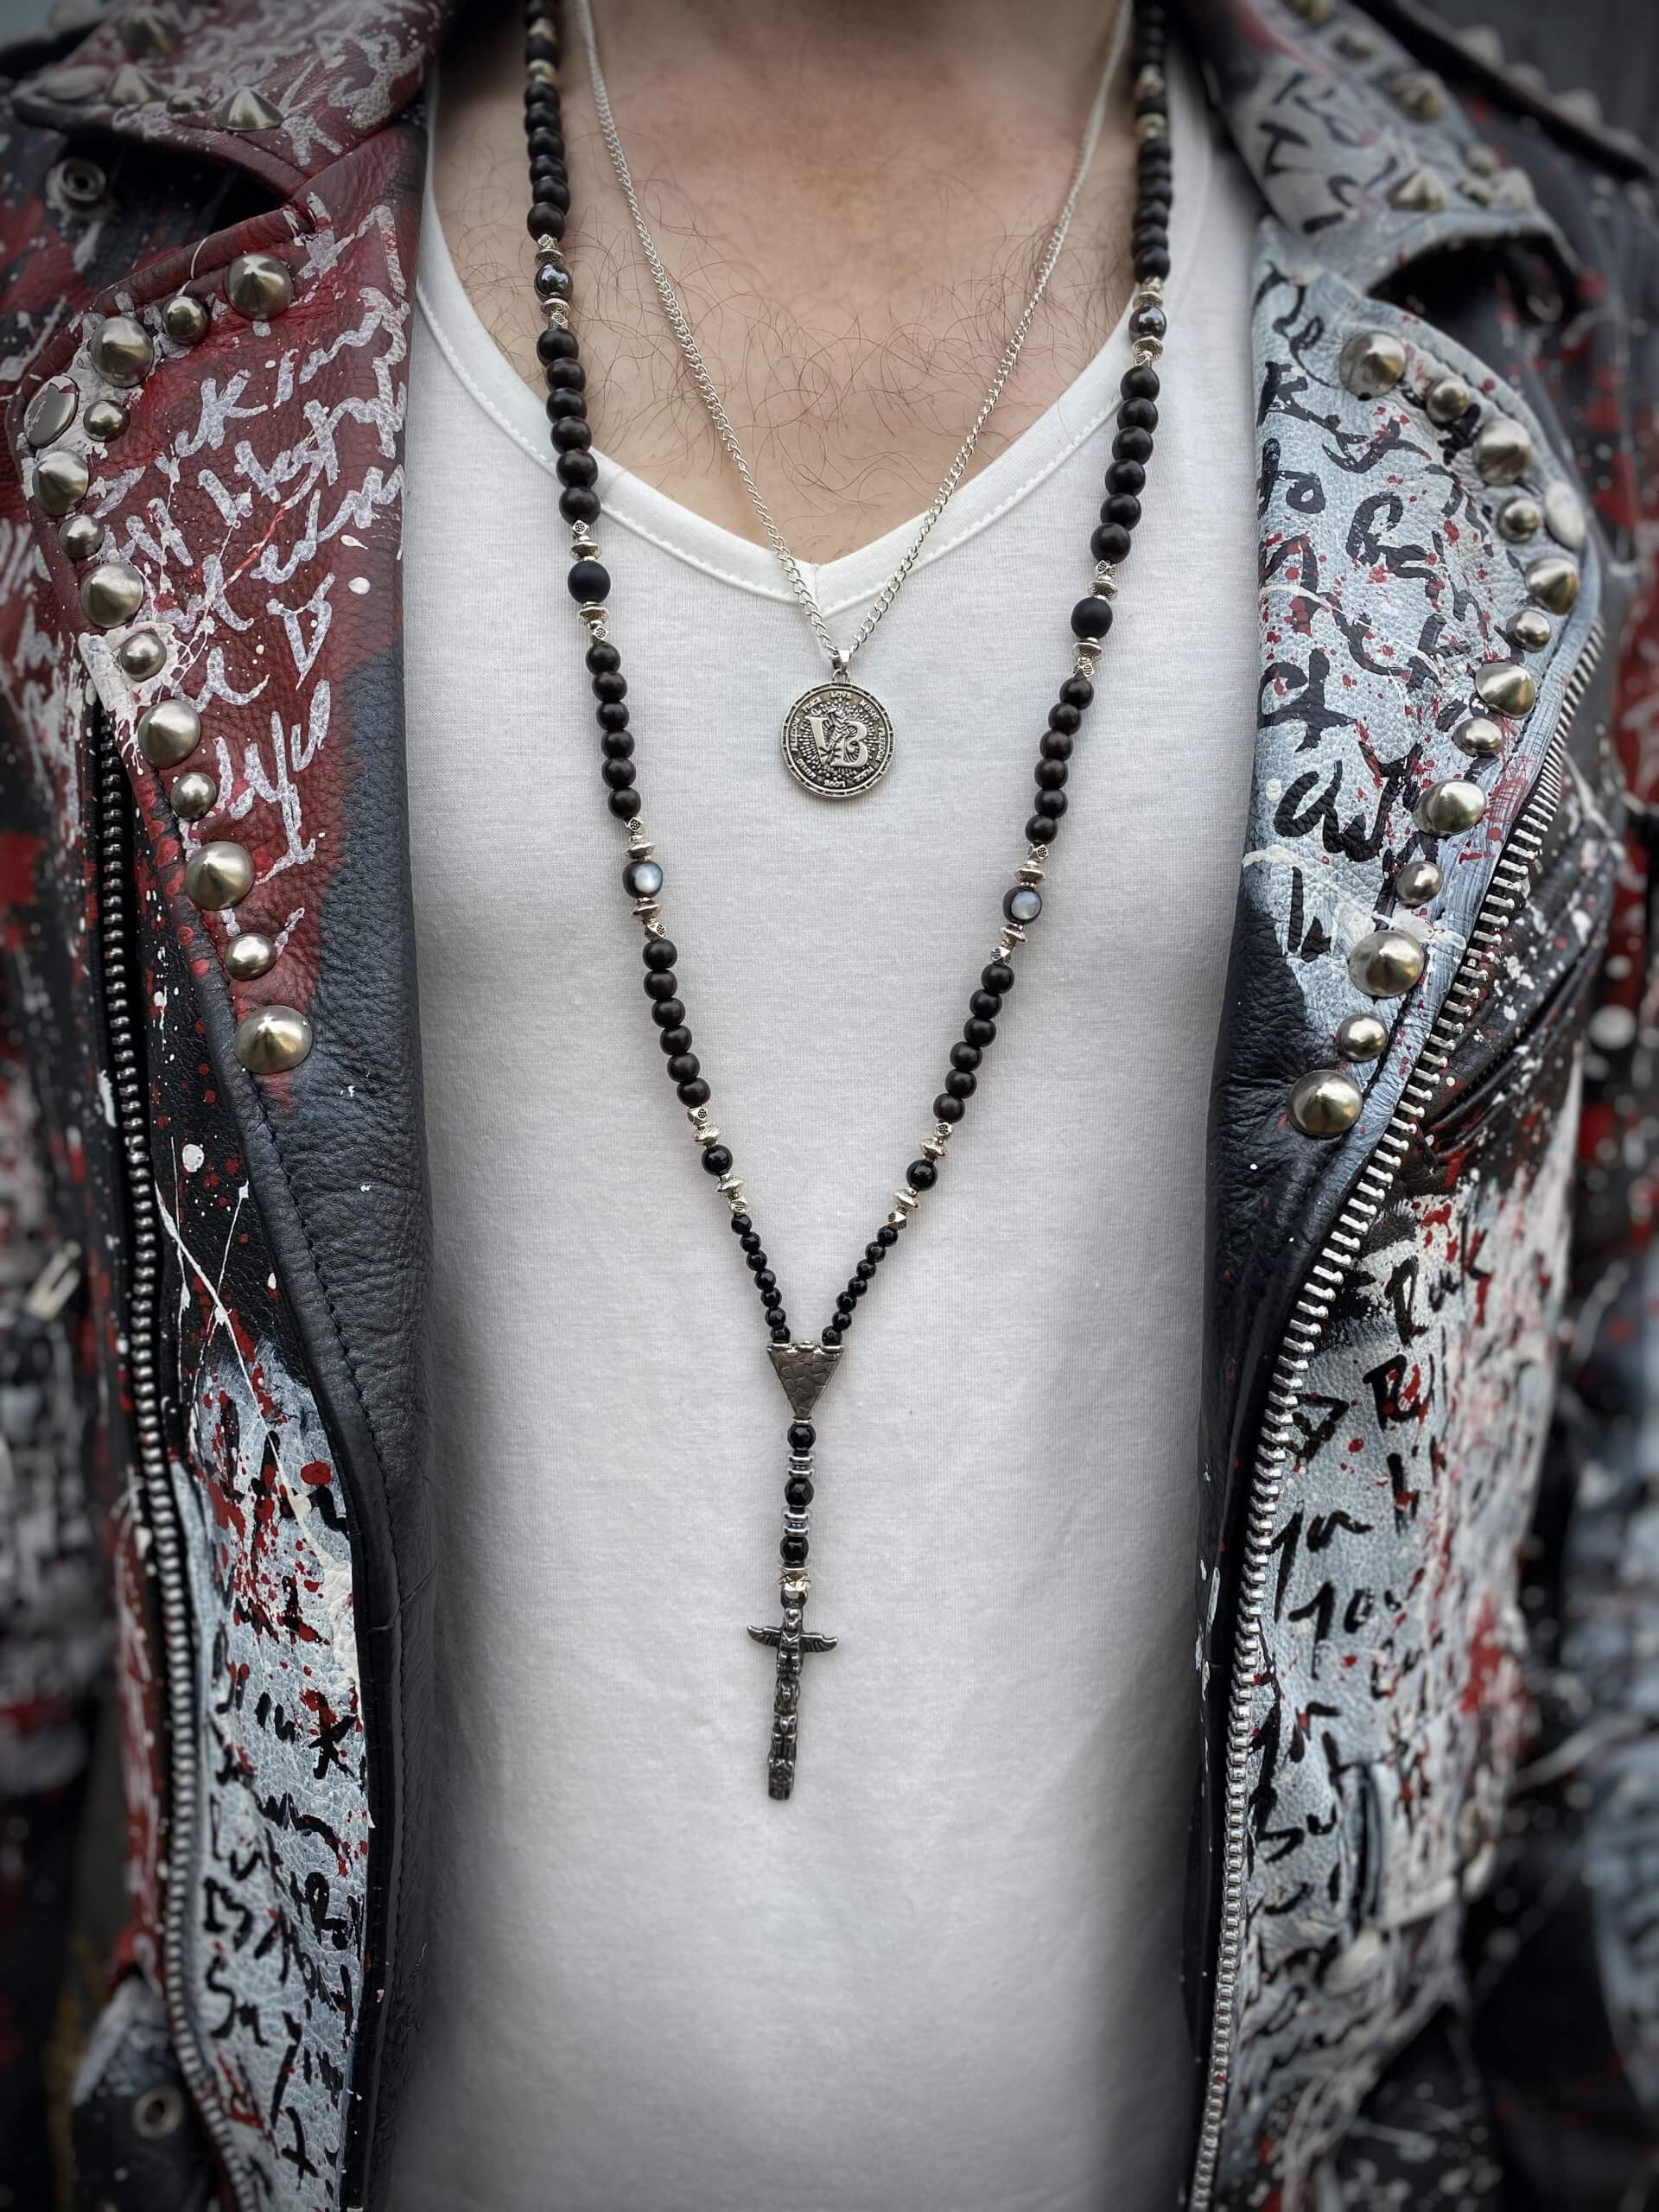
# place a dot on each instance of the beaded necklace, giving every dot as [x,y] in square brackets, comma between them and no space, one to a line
[804,1369]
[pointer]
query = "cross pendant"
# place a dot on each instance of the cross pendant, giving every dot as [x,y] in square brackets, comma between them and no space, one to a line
[793,1643]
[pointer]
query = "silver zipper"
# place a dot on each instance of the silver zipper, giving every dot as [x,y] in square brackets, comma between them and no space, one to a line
[160,1509]
[1506,894]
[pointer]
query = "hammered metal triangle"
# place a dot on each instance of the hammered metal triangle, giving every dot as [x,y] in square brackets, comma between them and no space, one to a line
[803,1370]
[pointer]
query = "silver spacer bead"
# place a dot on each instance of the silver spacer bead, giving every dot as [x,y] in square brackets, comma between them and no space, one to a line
[1151,126]
[584,545]
[1145,350]
[542,73]
[932,1148]
[1105,585]
[1011,935]
[897,1220]
[1150,80]
[731,1190]
[1031,873]
[647,911]
[905,1203]
[1087,654]
[707,1134]
[592,611]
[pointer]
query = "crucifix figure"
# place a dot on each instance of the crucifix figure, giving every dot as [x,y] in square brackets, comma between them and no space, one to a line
[794,1642]
[802,1370]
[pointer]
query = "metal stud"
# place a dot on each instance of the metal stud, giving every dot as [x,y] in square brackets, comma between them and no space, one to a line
[157,2112]
[60,480]
[1326,1103]
[1447,809]
[141,656]
[1552,581]
[1361,1037]
[218,875]
[249,956]
[258,286]
[1357,45]
[149,33]
[1564,513]
[104,419]
[186,100]
[1529,629]
[1372,363]
[1421,192]
[273,1040]
[1485,740]
[72,84]
[123,350]
[168,732]
[1520,519]
[246,110]
[185,319]
[1506,688]
[111,594]
[1417,883]
[49,414]
[80,183]
[129,87]
[80,536]
[1386,963]
[192,794]
[1503,451]
[1447,400]
[1419,94]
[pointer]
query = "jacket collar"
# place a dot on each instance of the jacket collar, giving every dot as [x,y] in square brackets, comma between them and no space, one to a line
[1363,156]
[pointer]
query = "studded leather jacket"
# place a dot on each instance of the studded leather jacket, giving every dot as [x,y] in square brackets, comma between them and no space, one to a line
[1423,1956]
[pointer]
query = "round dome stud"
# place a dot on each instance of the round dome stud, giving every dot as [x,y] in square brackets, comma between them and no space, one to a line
[1371,363]
[218,875]
[104,419]
[141,656]
[192,794]
[1447,400]
[111,594]
[1361,1037]
[1552,581]
[1506,687]
[1502,450]
[1448,808]
[123,351]
[168,732]
[1418,882]
[1520,519]
[80,535]
[185,319]
[250,955]
[1386,963]
[258,286]
[1529,627]
[273,1040]
[1481,738]
[1326,1103]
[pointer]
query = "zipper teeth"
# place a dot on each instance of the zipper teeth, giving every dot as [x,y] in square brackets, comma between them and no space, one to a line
[1506,895]
[143,1353]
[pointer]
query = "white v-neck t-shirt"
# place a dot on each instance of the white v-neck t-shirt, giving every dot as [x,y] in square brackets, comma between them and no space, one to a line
[944,1977]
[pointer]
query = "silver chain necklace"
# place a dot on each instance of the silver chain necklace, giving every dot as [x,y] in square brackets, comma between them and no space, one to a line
[837,738]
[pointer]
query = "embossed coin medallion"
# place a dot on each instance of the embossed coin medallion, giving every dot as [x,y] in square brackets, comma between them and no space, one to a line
[837,741]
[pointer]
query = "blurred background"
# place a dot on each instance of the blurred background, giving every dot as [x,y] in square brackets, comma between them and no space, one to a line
[1607,48]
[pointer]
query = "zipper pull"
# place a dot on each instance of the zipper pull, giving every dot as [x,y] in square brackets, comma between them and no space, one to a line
[55,1285]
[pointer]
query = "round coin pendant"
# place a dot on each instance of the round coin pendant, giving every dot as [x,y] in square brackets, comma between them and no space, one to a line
[837,741]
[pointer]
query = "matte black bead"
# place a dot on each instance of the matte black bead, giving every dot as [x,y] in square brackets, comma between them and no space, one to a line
[887,1235]
[659,982]
[716,1160]
[609,685]
[1110,542]
[1051,805]
[1055,745]
[545,145]
[578,503]
[587,581]
[685,1067]
[1141,383]
[571,433]
[567,376]
[831,1337]
[1128,445]
[1122,508]
[962,1082]
[946,1109]
[546,219]
[1039,830]
[620,775]
[1078,691]
[802,1436]
[985,1006]
[603,658]
[1153,261]
[611,714]
[546,170]
[1051,775]
[798,1493]
[659,952]
[624,805]
[669,1015]
[678,1039]
[1138,415]
[538,46]
[977,1031]
[566,406]
[965,1056]
[1090,617]
[1063,715]
[996,975]
[581,469]
[792,1551]
[617,743]
[1125,476]
[556,345]
[694,1093]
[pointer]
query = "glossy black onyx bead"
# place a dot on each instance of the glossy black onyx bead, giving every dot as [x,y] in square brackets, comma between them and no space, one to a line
[779,1329]
[765,1280]
[792,1550]
[802,1436]
[887,1235]
[832,1336]
[798,1493]
[1148,322]
[716,1160]
[741,1224]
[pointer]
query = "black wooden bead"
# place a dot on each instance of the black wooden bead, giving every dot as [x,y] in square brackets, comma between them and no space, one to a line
[610,684]
[556,345]
[603,658]
[678,1039]
[1063,715]
[1153,261]
[802,1436]
[555,194]
[1039,830]
[587,582]
[1125,476]
[660,952]
[566,406]
[974,1030]
[582,468]
[620,775]
[1110,542]
[570,376]
[578,503]
[1051,804]
[617,745]
[1128,445]
[716,1160]
[545,145]
[659,982]
[546,220]
[947,1109]
[998,976]
[625,806]
[685,1067]
[965,1056]
[985,1006]
[1055,745]
[1138,415]
[1122,508]
[1078,691]
[1051,774]
[611,714]
[694,1093]
[669,1015]
[1090,617]
[962,1082]
[571,433]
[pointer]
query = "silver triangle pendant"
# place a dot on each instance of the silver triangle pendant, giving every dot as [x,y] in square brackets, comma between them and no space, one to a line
[803,1370]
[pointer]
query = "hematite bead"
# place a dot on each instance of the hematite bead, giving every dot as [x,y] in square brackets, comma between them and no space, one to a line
[1148,322]
[1091,617]
[587,581]
[716,1160]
